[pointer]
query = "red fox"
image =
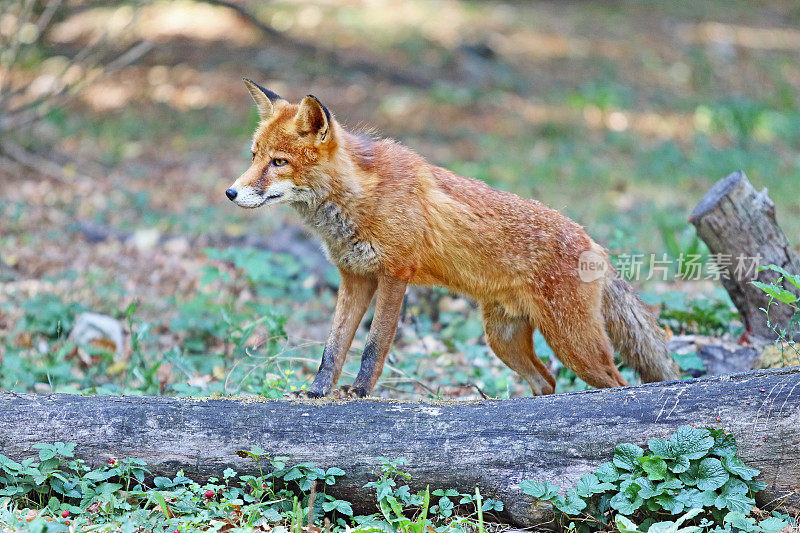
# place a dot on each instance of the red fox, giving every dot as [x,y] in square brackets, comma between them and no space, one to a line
[387,218]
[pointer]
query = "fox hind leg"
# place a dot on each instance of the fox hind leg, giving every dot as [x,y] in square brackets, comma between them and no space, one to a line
[511,339]
[581,343]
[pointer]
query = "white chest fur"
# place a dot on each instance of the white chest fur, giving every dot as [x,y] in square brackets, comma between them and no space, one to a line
[342,245]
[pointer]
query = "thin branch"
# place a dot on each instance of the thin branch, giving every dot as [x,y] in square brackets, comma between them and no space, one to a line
[38,109]
[27,159]
[25,11]
[31,160]
[47,16]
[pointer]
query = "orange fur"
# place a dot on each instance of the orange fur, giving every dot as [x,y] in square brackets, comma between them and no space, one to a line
[387,215]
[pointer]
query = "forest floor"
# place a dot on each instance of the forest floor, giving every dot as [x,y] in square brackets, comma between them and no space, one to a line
[619,114]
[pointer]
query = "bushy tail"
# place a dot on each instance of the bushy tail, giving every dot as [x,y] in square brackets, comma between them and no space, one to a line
[635,332]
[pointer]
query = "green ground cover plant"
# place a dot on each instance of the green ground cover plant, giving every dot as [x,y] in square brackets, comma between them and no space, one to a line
[691,482]
[52,491]
[778,292]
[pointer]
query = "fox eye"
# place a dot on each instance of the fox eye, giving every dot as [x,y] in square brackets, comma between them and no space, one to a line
[278,162]
[254,155]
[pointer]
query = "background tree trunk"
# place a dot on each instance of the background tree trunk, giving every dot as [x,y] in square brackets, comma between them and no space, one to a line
[736,221]
[492,444]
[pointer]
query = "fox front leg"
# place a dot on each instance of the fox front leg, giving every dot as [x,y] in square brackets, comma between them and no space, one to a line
[387,312]
[355,294]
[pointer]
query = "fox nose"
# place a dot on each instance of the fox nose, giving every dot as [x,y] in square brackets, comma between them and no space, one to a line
[231,194]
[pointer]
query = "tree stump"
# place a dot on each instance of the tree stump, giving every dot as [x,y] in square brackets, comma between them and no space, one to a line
[738,224]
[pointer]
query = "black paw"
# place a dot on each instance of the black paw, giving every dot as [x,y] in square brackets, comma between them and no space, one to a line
[346,392]
[302,395]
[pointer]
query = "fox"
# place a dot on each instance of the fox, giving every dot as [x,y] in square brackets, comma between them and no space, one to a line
[388,219]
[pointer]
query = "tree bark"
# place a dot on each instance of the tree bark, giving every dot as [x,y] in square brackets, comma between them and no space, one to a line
[736,222]
[493,444]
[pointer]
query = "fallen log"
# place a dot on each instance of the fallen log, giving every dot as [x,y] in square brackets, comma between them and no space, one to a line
[738,225]
[492,444]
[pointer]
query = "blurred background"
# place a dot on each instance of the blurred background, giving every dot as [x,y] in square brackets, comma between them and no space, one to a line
[121,125]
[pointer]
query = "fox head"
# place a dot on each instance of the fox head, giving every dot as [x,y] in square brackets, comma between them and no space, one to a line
[290,146]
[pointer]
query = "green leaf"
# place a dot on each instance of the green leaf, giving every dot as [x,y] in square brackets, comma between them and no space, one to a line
[672,484]
[571,505]
[161,502]
[647,489]
[334,471]
[162,482]
[734,497]
[542,491]
[688,361]
[681,464]
[694,498]
[272,515]
[691,442]
[735,466]
[446,506]
[756,486]
[65,448]
[9,465]
[340,506]
[589,484]
[740,521]
[724,443]
[626,456]
[53,503]
[99,475]
[625,524]
[47,453]
[671,504]
[492,505]
[779,293]
[794,279]
[625,504]
[688,515]
[672,527]
[773,524]
[293,474]
[661,448]
[710,474]
[108,488]
[607,472]
[422,519]
[655,467]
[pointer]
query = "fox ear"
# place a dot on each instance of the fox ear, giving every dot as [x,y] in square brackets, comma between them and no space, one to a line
[313,118]
[264,98]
